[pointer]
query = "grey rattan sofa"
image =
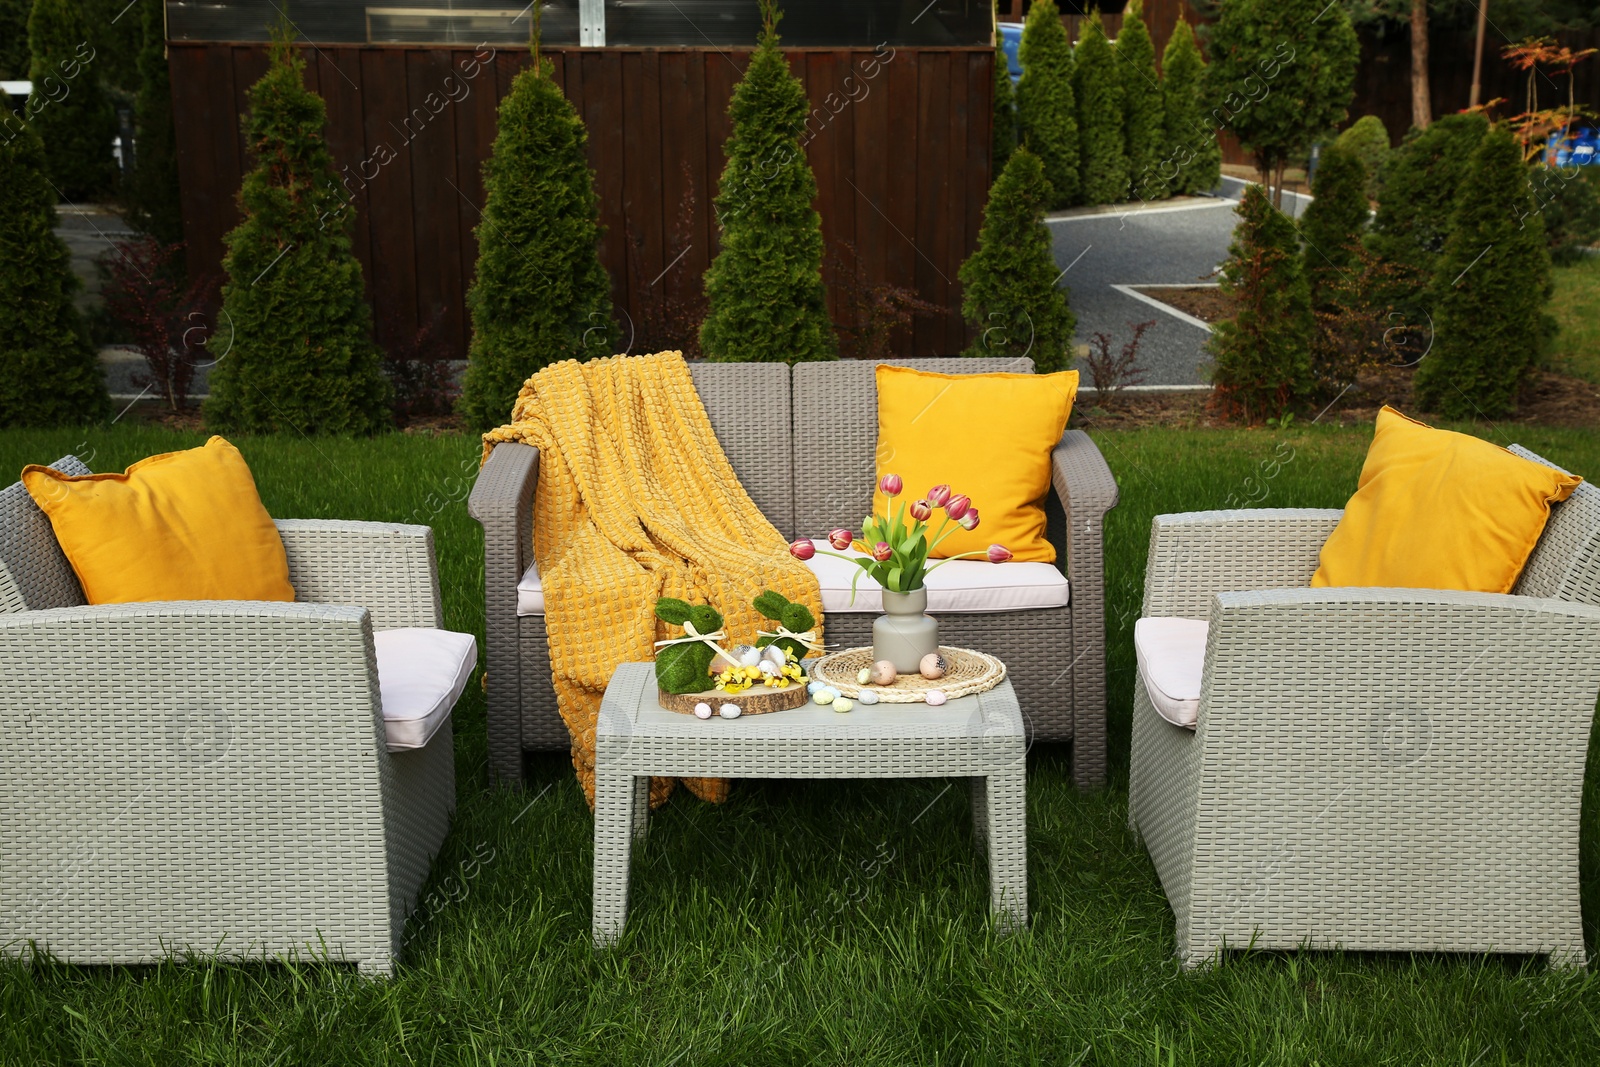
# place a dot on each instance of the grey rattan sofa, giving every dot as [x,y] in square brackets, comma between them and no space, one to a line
[802,443]
[1372,769]
[213,776]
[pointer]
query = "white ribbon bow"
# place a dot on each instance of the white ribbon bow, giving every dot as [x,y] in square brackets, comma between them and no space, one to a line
[710,640]
[806,640]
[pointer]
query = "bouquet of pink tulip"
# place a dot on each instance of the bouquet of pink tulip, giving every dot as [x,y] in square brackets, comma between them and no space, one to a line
[897,553]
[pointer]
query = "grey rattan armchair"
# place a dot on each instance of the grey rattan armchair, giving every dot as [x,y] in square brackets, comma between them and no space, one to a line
[803,443]
[1372,769]
[213,776]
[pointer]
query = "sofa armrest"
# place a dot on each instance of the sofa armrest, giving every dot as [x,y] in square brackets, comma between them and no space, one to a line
[1195,555]
[388,568]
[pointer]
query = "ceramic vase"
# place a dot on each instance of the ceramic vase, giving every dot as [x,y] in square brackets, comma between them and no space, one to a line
[904,633]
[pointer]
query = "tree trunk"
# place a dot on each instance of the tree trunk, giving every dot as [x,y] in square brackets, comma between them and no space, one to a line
[1421,98]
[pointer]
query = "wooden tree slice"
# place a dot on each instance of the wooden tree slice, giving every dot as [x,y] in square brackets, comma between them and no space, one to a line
[757,700]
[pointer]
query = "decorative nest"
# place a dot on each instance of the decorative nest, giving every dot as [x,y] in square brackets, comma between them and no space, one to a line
[967,672]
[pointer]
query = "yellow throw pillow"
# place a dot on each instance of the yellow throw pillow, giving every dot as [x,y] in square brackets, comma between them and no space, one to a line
[178,526]
[1440,510]
[988,437]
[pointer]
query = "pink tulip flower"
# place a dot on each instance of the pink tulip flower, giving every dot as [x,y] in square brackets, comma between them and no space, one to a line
[957,506]
[921,510]
[891,485]
[802,549]
[840,539]
[938,495]
[881,551]
[999,553]
[969,521]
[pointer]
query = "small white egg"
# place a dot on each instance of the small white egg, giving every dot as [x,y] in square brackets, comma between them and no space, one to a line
[935,697]
[866,696]
[702,710]
[730,711]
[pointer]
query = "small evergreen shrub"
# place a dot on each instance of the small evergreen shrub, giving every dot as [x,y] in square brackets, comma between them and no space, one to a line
[540,294]
[49,372]
[1490,289]
[1368,138]
[1047,119]
[1263,354]
[1335,220]
[1005,115]
[1569,201]
[764,292]
[1192,158]
[1142,118]
[1104,159]
[1010,297]
[14,55]
[152,190]
[1416,203]
[302,358]
[68,106]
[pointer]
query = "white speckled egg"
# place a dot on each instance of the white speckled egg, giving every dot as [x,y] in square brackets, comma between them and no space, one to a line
[702,710]
[774,655]
[730,711]
[882,672]
[866,696]
[749,655]
[842,704]
[932,666]
[935,697]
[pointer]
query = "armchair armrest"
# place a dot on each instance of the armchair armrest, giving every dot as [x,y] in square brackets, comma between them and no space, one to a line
[388,568]
[502,502]
[1198,554]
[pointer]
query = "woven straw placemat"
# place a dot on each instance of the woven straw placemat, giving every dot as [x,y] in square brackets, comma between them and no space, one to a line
[966,672]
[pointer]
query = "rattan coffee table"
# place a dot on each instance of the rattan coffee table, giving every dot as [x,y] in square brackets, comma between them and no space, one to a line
[976,737]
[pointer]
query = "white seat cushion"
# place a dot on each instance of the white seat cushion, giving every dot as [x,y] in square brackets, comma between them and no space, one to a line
[421,675]
[530,593]
[960,586]
[1172,660]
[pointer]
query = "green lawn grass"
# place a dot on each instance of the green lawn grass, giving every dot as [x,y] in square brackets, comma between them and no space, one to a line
[1576,306]
[803,922]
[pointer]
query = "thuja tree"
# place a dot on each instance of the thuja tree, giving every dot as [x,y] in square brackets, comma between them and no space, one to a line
[1416,203]
[14,54]
[68,106]
[1010,297]
[1142,118]
[1103,158]
[302,357]
[152,192]
[1334,222]
[49,372]
[1047,113]
[1191,159]
[540,295]
[1489,292]
[764,291]
[1005,115]
[1368,138]
[1262,356]
[1281,77]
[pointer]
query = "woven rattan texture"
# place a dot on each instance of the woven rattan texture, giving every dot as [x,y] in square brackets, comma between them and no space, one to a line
[386,567]
[749,408]
[1373,769]
[1566,562]
[977,737]
[967,672]
[39,573]
[1055,657]
[208,776]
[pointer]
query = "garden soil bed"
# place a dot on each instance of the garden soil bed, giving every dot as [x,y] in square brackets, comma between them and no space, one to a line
[1205,302]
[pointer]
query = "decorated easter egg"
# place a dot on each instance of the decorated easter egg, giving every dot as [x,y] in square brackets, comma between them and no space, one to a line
[882,672]
[864,676]
[842,704]
[749,655]
[702,710]
[935,697]
[932,666]
[823,697]
[866,696]
[730,711]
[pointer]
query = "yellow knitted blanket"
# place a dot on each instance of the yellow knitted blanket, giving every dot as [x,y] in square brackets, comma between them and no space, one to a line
[636,500]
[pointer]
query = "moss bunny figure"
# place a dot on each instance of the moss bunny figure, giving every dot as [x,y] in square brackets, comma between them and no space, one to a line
[794,621]
[683,664]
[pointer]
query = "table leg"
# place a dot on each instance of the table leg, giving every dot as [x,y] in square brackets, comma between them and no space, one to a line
[614,799]
[641,806]
[977,788]
[1006,830]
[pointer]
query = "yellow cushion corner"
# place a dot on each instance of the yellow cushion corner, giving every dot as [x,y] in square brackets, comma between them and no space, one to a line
[1436,509]
[988,436]
[183,525]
